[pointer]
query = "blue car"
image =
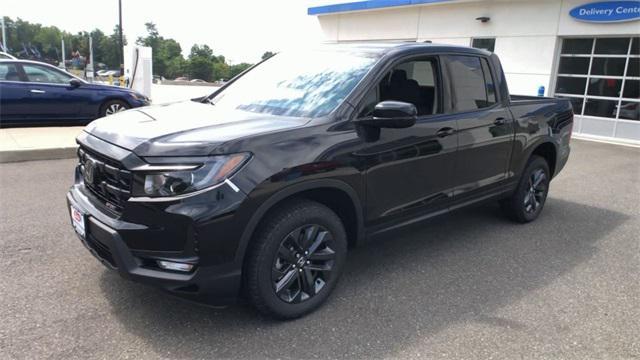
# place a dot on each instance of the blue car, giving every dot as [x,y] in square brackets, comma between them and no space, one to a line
[32,92]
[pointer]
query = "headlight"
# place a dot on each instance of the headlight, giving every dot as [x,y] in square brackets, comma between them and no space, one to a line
[138,96]
[214,170]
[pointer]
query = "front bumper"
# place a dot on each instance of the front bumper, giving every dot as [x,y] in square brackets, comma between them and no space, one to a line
[214,280]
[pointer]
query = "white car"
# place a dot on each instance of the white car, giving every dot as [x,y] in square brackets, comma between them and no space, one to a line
[4,55]
[106,73]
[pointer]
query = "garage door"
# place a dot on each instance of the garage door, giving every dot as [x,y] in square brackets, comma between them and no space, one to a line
[601,77]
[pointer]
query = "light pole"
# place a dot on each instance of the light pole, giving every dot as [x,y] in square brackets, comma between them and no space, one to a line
[121,39]
[64,63]
[4,36]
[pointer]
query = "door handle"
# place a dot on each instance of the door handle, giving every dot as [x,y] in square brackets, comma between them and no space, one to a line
[444,132]
[35,91]
[500,121]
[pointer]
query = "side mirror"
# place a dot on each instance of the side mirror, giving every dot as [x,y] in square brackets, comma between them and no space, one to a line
[75,83]
[391,114]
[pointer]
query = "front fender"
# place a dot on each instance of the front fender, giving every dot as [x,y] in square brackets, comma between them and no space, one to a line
[276,197]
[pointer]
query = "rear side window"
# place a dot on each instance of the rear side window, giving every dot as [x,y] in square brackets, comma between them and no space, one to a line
[472,84]
[489,84]
[9,72]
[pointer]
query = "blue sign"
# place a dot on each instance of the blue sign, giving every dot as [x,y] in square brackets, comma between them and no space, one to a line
[607,11]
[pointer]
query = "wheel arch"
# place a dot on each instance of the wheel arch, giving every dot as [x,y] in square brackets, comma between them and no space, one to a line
[548,151]
[336,195]
[545,147]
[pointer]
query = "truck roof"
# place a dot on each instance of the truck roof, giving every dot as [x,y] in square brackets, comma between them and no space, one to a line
[384,47]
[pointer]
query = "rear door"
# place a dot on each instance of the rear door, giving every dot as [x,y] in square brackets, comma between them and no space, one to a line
[485,127]
[14,93]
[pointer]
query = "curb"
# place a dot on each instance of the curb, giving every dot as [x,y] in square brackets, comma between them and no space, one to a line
[605,140]
[10,156]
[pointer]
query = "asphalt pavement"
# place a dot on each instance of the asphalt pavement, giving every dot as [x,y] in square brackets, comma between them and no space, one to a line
[463,286]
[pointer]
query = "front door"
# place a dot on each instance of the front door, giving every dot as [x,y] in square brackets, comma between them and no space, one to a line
[408,171]
[51,97]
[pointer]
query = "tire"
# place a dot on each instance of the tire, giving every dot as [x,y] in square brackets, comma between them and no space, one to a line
[277,282]
[527,201]
[111,107]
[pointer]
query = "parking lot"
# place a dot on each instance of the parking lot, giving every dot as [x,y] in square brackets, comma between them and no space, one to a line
[466,285]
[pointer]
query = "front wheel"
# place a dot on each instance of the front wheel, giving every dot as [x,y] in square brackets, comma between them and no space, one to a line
[296,259]
[528,200]
[113,106]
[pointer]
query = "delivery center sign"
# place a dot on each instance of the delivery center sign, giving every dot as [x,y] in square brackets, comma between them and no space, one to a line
[607,11]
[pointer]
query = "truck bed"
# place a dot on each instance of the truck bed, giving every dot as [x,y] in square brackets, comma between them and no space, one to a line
[556,112]
[528,98]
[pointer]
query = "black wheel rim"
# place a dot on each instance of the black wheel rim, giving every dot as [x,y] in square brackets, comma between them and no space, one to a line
[536,191]
[303,264]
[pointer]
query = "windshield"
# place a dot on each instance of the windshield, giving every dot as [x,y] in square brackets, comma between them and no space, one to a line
[308,84]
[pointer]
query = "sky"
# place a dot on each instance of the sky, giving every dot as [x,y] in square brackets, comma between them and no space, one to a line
[241,30]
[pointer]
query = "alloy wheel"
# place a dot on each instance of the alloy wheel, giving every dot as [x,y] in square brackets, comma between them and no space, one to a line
[536,191]
[114,108]
[303,263]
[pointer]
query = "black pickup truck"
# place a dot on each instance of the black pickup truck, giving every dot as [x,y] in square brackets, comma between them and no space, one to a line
[260,188]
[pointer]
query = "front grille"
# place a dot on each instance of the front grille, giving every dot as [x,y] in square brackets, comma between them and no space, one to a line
[105,178]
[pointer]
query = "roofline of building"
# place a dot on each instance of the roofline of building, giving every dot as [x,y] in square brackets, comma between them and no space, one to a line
[366,5]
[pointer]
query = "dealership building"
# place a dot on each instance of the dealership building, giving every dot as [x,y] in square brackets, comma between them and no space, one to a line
[588,52]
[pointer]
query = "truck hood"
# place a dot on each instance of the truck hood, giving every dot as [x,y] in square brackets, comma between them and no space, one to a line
[184,128]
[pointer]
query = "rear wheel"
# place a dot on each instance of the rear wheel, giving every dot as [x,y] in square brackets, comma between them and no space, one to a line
[296,259]
[528,200]
[113,106]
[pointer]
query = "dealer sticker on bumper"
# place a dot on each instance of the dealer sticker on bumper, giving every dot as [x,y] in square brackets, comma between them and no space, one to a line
[77,219]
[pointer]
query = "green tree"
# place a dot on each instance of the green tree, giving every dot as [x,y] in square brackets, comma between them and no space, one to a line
[47,40]
[267,55]
[220,71]
[165,51]
[237,69]
[203,51]
[176,67]
[110,48]
[201,61]
[167,54]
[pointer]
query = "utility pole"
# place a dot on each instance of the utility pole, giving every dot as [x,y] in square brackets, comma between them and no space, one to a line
[121,39]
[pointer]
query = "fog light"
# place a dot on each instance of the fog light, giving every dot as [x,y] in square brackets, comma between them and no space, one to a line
[175,266]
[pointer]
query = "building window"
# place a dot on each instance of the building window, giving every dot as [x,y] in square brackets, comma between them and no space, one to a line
[601,76]
[488,44]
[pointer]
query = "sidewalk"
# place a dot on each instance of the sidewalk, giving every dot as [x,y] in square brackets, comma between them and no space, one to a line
[46,143]
[38,143]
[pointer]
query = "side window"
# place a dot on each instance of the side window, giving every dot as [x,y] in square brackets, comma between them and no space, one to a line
[414,82]
[470,87]
[41,74]
[9,72]
[488,81]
